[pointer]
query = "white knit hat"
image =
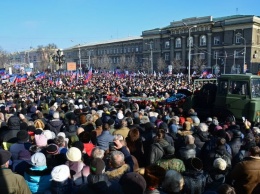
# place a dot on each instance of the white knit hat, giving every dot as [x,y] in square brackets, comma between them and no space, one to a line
[220,164]
[74,154]
[38,159]
[60,173]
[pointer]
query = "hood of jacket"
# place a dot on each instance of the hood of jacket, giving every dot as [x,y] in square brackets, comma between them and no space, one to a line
[118,172]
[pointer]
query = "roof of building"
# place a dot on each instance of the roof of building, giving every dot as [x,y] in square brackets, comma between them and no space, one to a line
[106,42]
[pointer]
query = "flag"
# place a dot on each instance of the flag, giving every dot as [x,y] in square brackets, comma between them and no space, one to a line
[73,76]
[21,78]
[2,71]
[50,81]
[12,79]
[40,76]
[88,76]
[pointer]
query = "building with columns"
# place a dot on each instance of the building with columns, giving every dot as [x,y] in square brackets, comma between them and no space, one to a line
[227,44]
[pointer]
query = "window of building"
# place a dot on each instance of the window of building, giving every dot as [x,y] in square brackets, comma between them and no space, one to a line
[203,40]
[166,56]
[178,56]
[128,49]
[167,44]
[136,49]
[236,53]
[124,50]
[178,43]
[238,39]
[216,40]
[190,42]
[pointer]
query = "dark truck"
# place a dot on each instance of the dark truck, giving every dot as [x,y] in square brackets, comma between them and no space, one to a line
[233,96]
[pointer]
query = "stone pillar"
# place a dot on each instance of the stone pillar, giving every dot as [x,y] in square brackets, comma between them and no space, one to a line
[171,49]
[183,48]
[209,46]
[195,43]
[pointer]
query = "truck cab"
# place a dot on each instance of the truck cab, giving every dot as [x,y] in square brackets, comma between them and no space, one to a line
[231,95]
[239,96]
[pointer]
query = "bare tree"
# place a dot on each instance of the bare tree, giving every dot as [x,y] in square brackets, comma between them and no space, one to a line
[132,63]
[123,62]
[176,65]
[146,66]
[3,58]
[161,65]
[44,55]
[199,64]
[105,62]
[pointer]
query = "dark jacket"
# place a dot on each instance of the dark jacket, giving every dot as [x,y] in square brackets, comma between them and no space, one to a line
[157,151]
[189,151]
[235,145]
[64,187]
[55,125]
[101,185]
[195,182]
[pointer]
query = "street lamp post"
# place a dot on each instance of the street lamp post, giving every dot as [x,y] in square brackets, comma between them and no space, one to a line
[239,35]
[59,58]
[151,55]
[189,49]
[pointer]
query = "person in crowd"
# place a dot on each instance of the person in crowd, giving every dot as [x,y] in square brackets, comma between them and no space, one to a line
[120,162]
[38,176]
[246,173]
[60,180]
[10,182]
[135,145]
[173,182]
[170,162]
[133,182]
[79,171]
[55,124]
[194,177]
[189,150]
[98,181]
[154,176]
[105,137]
[123,130]
[201,136]
[157,148]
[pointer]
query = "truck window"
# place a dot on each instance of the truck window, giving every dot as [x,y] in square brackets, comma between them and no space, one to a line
[255,88]
[223,87]
[239,87]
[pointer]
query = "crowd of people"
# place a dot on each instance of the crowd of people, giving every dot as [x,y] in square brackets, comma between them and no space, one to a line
[75,138]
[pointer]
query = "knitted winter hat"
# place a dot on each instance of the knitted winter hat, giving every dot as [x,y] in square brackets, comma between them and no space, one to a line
[133,182]
[4,156]
[97,166]
[52,149]
[74,154]
[38,159]
[22,136]
[40,140]
[220,164]
[60,173]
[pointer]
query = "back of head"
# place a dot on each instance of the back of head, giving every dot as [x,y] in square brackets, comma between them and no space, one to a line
[255,151]
[133,134]
[117,159]
[173,182]
[133,182]
[154,175]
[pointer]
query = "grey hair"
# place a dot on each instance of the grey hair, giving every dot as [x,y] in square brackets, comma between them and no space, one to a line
[172,181]
[97,153]
[117,159]
[203,127]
